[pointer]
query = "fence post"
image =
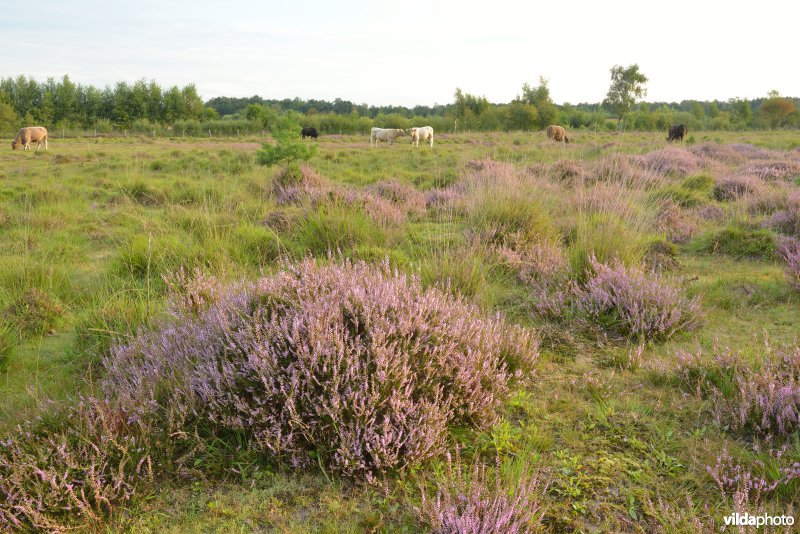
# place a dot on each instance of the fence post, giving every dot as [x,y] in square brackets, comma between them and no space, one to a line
[209,133]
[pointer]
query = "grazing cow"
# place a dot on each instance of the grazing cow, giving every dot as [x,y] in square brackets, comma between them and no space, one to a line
[557,133]
[384,134]
[677,133]
[308,131]
[421,133]
[29,134]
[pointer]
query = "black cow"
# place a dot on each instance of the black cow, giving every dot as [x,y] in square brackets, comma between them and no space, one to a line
[308,132]
[677,133]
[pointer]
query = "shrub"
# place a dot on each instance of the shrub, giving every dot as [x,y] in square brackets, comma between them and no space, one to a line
[787,221]
[768,401]
[402,195]
[734,187]
[739,242]
[678,226]
[790,251]
[670,161]
[763,399]
[57,477]
[288,149]
[773,170]
[473,502]
[633,303]
[347,365]
[713,151]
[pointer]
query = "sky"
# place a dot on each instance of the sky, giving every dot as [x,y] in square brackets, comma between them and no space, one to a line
[409,53]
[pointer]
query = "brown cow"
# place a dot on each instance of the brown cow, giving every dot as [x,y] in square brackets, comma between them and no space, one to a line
[557,133]
[29,134]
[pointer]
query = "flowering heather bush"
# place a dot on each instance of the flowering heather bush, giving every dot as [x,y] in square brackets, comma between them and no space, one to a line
[721,153]
[787,221]
[773,170]
[473,503]
[789,249]
[348,365]
[670,161]
[633,303]
[441,196]
[56,479]
[769,399]
[543,262]
[565,172]
[291,188]
[750,151]
[678,225]
[763,400]
[618,169]
[402,195]
[734,187]
[710,212]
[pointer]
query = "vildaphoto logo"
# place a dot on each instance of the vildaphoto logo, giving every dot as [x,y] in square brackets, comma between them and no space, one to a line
[745,519]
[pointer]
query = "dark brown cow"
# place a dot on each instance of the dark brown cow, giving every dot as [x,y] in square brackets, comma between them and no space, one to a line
[308,132]
[677,133]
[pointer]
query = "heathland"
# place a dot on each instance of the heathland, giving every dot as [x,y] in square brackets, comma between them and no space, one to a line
[498,332]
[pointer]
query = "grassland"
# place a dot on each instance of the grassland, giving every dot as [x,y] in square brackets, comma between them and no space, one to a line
[88,228]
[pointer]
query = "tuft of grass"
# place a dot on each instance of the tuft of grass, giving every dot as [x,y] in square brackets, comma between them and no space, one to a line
[33,312]
[255,245]
[335,227]
[738,242]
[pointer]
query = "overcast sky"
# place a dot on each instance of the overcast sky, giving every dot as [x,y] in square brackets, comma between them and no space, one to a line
[409,52]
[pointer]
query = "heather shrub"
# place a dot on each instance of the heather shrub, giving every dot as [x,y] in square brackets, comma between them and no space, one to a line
[469,499]
[631,302]
[670,161]
[721,153]
[544,262]
[735,187]
[749,151]
[678,225]
[441,197]
[618,169]
[349,366]
[761,399]
[790,251]
[73,471]
[738,242]
[402,195]
[787,221]
[773,170]
[294,186]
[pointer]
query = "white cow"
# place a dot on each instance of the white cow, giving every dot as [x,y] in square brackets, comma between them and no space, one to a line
[421,133]
[28,135]
[384,134]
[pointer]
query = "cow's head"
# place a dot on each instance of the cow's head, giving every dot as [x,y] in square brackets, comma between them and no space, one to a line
[13,145]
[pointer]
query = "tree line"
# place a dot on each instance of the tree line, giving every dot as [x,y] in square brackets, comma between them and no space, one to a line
[145,106]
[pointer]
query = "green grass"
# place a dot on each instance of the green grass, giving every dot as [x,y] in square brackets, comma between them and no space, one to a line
[88,229]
